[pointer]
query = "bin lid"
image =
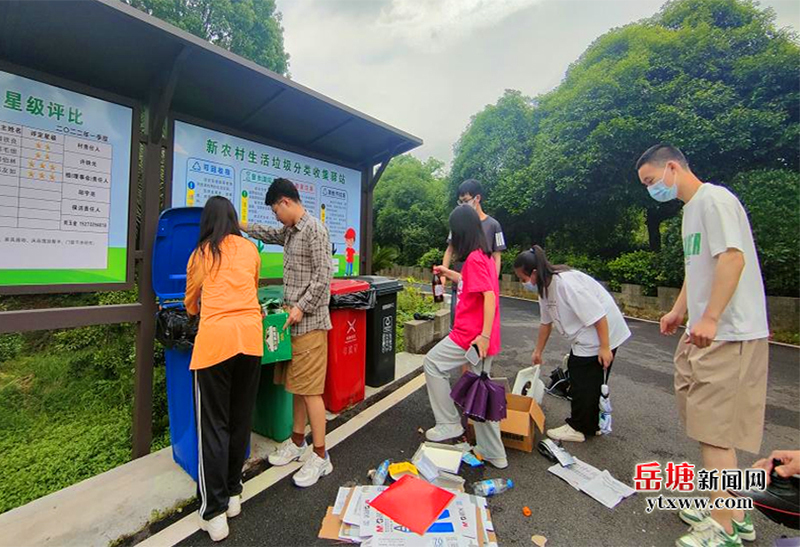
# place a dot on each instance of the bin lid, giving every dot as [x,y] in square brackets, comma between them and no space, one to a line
[176,238]
[346,286]
[382,285]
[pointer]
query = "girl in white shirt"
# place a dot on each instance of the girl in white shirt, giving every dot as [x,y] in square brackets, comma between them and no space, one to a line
[586,314]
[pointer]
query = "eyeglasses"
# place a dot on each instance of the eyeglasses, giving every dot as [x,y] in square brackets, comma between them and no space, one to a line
[465,201]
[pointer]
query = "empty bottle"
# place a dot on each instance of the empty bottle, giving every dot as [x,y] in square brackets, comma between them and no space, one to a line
[437,288]
[380,474]
[492,487]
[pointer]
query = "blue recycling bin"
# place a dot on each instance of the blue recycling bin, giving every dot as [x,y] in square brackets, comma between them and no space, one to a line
[176,238]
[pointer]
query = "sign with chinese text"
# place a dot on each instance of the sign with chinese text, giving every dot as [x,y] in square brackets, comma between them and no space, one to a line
[65,162]
[208,163]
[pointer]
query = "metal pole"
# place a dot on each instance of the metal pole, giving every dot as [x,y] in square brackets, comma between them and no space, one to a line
[367,215]
[160,99]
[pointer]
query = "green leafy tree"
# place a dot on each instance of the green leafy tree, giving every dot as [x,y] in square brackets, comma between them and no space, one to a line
[772,200]
[714,77]
[250,28]
[493,149]
[410,211]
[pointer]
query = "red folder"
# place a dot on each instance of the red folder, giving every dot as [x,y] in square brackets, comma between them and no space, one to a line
[413,503]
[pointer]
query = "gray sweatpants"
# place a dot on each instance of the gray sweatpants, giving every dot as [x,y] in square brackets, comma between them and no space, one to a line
[443,358]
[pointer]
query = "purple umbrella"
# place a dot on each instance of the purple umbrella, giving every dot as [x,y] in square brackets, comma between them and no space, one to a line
[479,397]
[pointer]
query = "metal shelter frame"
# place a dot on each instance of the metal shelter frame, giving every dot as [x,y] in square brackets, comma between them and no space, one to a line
[117,53]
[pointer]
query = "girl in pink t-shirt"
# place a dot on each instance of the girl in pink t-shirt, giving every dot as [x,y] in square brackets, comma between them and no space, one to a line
[477,324]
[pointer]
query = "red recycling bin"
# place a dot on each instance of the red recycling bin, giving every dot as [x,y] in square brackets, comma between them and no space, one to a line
[347,350]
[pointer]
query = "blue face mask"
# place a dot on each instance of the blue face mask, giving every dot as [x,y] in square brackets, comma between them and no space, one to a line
[661,192]
[528,286]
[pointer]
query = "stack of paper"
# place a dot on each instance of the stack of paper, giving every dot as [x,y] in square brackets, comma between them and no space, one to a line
[465,522]
[600,485]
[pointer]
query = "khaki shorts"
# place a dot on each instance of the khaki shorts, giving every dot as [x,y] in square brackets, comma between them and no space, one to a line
[305,373]
[722,391]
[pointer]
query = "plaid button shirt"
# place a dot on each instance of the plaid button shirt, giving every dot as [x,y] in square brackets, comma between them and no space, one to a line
[306,269]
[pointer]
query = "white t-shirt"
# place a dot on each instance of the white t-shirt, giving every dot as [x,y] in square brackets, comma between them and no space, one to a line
[713,222]
[574,303]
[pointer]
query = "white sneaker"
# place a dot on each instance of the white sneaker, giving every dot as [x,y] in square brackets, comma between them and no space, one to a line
[566,433]
[217,527]
[709,533]
[288,452]
[444,432]
[693,516]
[499,463]
[314,468]
[234,507]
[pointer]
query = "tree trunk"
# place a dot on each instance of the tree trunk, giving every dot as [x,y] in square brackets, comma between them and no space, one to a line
[653,221]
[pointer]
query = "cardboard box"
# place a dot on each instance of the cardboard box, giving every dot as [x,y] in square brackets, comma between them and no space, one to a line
[518,430]
[277,342]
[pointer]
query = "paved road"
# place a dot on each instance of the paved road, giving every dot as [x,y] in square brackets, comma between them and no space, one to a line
[646,428]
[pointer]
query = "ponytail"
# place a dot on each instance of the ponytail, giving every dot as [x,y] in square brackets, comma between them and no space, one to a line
[536,260]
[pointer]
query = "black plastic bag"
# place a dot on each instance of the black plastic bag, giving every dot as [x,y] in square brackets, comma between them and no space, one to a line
[364,300]
[560,384]
[175,329]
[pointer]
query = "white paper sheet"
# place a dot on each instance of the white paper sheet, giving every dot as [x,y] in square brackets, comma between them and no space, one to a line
[341,498]
[577,474]
[607,490]
[563,457]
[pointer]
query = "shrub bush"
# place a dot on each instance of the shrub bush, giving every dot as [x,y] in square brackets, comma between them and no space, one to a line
[431,258]
[639,268]
[410,301]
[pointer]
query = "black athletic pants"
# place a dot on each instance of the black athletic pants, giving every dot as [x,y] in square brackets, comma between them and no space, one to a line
[224,396]
[586,375]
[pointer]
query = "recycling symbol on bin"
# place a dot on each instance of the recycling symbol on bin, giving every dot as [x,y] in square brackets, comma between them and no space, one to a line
[387,322]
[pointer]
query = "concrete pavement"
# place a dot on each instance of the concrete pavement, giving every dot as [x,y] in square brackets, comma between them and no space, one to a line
[646,428]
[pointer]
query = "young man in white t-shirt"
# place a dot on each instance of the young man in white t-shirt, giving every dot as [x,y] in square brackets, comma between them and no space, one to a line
[721,361]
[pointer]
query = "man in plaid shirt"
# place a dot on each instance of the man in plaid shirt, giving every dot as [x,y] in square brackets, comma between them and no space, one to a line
[307,286]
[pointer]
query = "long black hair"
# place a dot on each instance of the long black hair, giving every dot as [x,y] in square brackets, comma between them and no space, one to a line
[467,232]
[536,260]
[217,222]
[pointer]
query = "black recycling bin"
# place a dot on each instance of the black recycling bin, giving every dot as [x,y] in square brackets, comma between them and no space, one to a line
[381,332]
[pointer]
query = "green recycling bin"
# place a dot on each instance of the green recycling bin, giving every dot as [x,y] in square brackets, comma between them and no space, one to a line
[272,415]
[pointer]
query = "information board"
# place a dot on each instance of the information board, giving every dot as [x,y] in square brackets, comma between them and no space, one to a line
[65,161]
[208,163]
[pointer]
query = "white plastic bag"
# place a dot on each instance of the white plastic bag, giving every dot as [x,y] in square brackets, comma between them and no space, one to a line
[605,408]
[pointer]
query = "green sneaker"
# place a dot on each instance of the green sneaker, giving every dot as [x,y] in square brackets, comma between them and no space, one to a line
[745,529]
[693,516]
[709,533]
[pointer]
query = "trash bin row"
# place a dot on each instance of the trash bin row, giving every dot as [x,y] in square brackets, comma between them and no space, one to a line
[361,343]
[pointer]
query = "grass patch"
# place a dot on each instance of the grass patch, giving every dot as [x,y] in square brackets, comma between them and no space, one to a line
[66,407]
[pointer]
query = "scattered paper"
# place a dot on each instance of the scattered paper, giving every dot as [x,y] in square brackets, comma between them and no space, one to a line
[539,541]
[563,457]
[576,474]
[607,490]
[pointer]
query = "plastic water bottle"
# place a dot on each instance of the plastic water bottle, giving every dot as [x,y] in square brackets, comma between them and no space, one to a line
[380,474]
[492,487]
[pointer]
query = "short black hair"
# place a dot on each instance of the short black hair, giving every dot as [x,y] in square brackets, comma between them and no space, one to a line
[660,154]
[279,189]
[467,232]
[471,187]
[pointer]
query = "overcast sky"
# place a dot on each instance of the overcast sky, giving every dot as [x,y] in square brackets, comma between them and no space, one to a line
[426,66]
